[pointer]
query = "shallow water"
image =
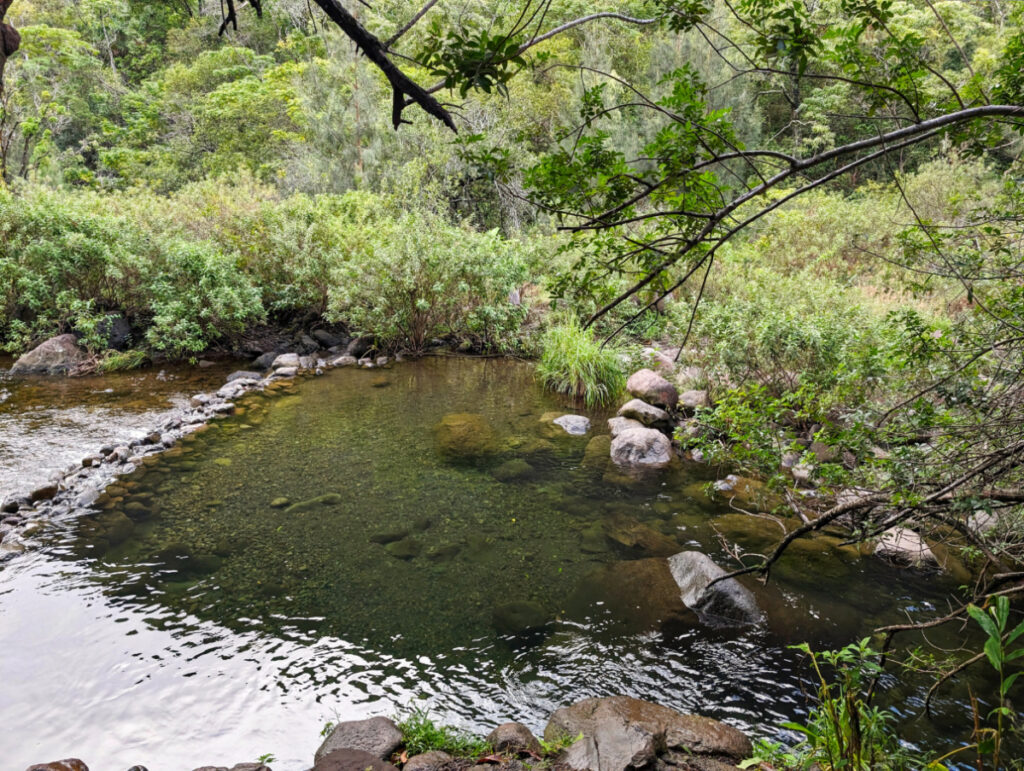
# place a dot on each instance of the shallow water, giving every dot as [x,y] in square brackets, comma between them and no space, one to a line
[50,423]
[191,622]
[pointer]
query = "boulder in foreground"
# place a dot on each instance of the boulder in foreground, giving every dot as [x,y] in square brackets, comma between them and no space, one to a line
[648,385]
[57,356]
[620,732]
[641,447]
[377,736]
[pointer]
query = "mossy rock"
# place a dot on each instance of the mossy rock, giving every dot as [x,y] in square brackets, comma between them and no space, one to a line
[465,436]
[512,470]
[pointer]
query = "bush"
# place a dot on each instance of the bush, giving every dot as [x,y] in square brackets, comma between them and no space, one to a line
[574,363]
[419,277]
[69,260]
[421,734]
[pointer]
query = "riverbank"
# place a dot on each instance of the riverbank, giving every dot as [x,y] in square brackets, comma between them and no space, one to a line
[615,733]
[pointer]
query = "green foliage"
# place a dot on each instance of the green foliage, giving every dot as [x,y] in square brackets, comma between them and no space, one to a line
[419,277]
[119,361]
[572,362]
[842,731]
[421,734]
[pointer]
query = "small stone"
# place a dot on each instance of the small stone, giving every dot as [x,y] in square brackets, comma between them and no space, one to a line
[519,617]
[405,549]
[511,470]
[352,760]
[44,493]
[286,361]
[153,438]
[343,361]
[389,537]
[243,375]
[286,372]
[279,503]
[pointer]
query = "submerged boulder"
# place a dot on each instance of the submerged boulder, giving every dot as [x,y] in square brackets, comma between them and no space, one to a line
[638,537]
[519,617]
[648,385]
[57,356]
[575,425]
[377,736]
[722,604]
[636,596]
[511,470]
[641,447]
[465,436]
[620,732]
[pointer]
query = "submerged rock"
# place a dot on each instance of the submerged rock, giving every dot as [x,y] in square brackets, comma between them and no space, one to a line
[511,470]
[635,535]
[57,356]
[637,595]
[519,617]
[377,736]
[404,549]
[641,447]
[597,453]
[329,499]
[620,732]
[465,436]
[724,603]
[652,388]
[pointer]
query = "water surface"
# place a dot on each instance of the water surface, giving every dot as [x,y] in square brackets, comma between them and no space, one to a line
[200,616]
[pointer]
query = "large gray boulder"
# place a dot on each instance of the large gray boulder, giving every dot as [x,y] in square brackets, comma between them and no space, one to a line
[377,736]
[644,413]
[648,385]
[724,603]
[641,448]
[57,356]
[620,733]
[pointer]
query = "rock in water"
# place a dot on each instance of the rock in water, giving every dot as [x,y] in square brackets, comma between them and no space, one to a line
[620,733]
[519,617]
[377,736]
[57,356]
[576,425]
[905,547]
[619,424]
[286,361]
[724,603]
[465,436]
[648,385]
[511,470]
[644,413]
[71,764]
[641,447]
[636,596]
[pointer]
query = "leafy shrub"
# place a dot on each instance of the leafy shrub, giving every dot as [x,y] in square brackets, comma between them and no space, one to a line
[419,277]
[574,363]
[67,261]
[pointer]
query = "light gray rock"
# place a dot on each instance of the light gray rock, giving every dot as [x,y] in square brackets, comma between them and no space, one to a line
[377,736]
[644,413]
[724,603]
[57,356]
[343,361]
[905,547]
[286,371]
[243,374]
[692,400]
[617,425]
[648,385]
[576,425]
[641,448]
[620,733]
[286,361]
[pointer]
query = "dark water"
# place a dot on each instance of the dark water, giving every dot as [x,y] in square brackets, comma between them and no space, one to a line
[191,621]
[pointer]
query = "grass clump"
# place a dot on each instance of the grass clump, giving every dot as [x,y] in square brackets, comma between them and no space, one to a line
[572,362]
[421,734]
[122,361]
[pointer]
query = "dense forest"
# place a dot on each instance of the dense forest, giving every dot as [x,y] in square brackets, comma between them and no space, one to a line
[811,209]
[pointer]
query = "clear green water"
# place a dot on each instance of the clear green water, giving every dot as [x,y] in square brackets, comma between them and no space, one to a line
[193,608]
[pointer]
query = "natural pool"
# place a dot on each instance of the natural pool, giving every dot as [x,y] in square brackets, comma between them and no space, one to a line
[198,618]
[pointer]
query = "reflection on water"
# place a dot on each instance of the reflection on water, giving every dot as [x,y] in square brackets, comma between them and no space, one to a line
[343,549]
[49,423]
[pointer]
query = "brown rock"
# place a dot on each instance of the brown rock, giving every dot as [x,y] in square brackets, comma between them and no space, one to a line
[352,760]
[377,736]
[513,738]
[71,764]
[427,761]
[648,385]
[57,356]
[620,732]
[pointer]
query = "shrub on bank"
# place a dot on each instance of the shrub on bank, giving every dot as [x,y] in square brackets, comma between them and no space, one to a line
[572,362]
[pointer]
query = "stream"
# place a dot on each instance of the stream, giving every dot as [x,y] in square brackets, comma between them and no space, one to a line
[325,555]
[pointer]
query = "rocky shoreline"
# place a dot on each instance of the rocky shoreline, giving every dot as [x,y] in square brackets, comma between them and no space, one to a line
[24,514]
[613,733]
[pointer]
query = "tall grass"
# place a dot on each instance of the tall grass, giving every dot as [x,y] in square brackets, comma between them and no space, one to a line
[572,362]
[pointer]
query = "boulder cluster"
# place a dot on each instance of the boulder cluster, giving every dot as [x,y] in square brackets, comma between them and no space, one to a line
[613,733]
